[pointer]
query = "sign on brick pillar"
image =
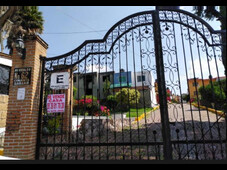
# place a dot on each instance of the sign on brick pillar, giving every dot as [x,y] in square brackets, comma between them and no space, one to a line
[23,104]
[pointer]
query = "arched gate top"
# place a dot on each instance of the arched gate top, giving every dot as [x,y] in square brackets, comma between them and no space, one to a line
[104,46]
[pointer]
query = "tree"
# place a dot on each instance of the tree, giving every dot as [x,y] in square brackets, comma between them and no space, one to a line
[219,13]
[6,12]
[214,93]
[106,88]
[27,22]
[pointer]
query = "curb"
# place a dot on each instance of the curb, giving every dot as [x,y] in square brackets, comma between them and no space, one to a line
[143,115]
[1,152]
[220,113]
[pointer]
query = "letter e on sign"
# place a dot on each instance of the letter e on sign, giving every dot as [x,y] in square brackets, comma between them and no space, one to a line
[59,81]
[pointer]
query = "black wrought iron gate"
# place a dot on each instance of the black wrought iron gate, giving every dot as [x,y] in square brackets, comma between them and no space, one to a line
[129,99]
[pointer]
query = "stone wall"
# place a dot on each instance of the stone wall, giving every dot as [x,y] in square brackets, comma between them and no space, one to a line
[3,109]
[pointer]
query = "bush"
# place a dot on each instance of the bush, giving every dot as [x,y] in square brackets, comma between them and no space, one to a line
[74,92]
[52,124]
[89,97]
[127,97]
[186,97]
[90,107]
[111,102]
[214,94]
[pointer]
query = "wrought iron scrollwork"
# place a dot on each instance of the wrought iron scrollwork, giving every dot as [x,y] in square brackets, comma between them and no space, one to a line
[188,44]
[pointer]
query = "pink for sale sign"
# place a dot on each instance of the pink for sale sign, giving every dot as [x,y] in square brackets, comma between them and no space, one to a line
[56,103]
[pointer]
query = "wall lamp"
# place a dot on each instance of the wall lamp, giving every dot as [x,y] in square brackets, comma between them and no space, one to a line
[20,47]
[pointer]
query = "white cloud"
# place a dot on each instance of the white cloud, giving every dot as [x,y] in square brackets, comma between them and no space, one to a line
[212,67]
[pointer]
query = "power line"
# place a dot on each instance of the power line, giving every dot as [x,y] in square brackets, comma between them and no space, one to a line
[80,32]
[77,20]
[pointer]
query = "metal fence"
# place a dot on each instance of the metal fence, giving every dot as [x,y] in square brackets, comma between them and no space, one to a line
[173,46]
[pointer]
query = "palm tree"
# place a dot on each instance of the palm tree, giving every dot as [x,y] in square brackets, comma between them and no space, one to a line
[6,12]
[27,22]
[219,13]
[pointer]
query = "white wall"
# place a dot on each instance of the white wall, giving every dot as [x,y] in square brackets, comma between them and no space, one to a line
[149,81]
[5,61]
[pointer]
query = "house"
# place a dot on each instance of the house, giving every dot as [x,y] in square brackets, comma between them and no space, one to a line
[94,84]
[195,84]
[5,68]
[91,83]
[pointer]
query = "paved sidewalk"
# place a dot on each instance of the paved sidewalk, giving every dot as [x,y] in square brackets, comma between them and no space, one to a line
[7,158]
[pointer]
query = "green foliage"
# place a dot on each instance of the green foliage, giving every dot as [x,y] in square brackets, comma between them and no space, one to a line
[208,12]
[211,13]
[186,97]
[214,93]
[28,21]
[138,112]
[74,92]
[111,102]
[127,97]
[53,125]
[89,97]
[111,98]
[106,88]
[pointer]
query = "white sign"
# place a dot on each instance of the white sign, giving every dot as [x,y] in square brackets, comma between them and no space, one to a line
[59,81]
[56,103]
[20,93]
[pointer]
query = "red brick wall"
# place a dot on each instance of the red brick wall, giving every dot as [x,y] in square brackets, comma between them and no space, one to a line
[22,116]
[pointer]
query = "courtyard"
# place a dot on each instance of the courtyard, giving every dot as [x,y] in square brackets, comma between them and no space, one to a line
[195,134]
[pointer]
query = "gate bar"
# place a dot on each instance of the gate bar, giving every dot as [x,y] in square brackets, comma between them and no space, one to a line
[42,58]
[167,148]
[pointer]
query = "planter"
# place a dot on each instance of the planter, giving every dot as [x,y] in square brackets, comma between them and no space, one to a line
[77,120]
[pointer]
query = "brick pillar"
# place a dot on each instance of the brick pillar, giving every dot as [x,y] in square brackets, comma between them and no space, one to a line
[22,116]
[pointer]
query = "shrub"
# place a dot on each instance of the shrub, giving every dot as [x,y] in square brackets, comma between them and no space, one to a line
[52,124]
[214,93]
[90,107]
[74,92]
[89,97]
[111,102]
[128,97]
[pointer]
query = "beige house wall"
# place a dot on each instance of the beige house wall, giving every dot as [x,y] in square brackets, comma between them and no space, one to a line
[3,109]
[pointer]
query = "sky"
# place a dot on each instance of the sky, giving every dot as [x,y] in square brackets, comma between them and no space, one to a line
[67,27]
[79,23]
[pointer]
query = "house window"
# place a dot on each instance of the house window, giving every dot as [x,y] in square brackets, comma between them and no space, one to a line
[4,79]
[74,79]
[106,78]
[195,93]
[141,78]
[195,84]
[122,79]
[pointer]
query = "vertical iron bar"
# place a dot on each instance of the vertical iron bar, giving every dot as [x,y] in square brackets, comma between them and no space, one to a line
[127,70]
[40,110]
[134,68]
[114,119]
[144,104]
[105,97]
[178,71]
[186,71]
[84,112]
[220,87]
[77,108]
[167,148]
[93,78]
[71,109]
[99,97]
[120,79]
